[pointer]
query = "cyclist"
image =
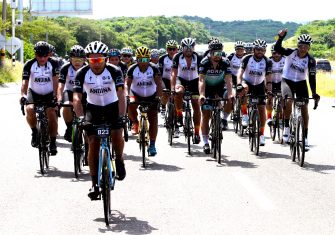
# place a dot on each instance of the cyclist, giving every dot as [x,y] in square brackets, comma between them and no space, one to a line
[162,51]
[39,84]
[127,56]
[253,77]
[144,81]
[248,48]
[104,85]
[154,56]
[185,73]
[214,74]
[165,67]
[208,50]
[235,59]
[298,65]
[278,62]
[114,57]
[65,85]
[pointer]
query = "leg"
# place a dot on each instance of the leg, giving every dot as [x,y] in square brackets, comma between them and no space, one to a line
[153,130]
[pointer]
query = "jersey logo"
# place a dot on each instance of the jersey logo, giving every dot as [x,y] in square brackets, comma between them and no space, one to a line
[295,67]
[145,83]
[42,80]
[257,73]
[100,90]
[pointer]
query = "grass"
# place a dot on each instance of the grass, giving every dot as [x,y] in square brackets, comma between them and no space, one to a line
[325,84]
[11,73]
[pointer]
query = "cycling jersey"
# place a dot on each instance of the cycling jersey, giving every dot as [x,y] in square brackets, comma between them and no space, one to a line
[143,83]
[123,67]
[185,72]
[214,76]
[165,66]
[40,77]
[255,71]
[67,76]
[296,68]
[235,63]
[101,89]
[277,69]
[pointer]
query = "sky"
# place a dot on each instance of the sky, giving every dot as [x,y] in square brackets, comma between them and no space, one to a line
[221,10]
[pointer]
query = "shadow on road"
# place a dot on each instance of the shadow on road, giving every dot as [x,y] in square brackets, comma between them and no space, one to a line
[54,172]
[318,168]
[129,225]
[273,155]
[235,163]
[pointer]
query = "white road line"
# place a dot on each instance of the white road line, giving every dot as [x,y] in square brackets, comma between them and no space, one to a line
[254,191]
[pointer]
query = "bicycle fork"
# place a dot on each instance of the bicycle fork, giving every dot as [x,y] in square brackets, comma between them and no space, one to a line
[109,167]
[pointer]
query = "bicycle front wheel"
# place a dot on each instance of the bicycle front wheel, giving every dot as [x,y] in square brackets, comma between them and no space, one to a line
[256,133]
[41,147]
[170,124]
[292,139]
[142,141]
[188,121]
[105,186]
[300,141]
[218,135]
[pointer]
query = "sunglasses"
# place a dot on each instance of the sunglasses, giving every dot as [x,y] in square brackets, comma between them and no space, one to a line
[126,56]
[259,49]
[42,55]
[217,53]
[143,60]
[77,59]
[97,60]
[171,49]
[185,48]
[303,46]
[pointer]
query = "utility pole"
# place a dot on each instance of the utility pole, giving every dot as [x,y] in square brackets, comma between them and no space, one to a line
[4,18]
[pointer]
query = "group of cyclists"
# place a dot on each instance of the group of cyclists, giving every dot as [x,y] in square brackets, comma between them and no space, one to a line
[101,84]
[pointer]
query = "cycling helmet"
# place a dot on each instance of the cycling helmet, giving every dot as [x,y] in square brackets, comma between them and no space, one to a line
[96,47]
[211,39]
[114,52]
[188,42]
[162,51]
[171,44]
[259,43]
[215,45]
[305,39]
[180,48]
[42,48]
[77,51]
[52,48]
[142,52]
[155,53]
[239,44]
[126,51]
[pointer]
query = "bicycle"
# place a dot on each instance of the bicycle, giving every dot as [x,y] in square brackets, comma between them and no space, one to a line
[188,123]
[297,129]
[170,116]
[216,128]
[42,132]
[143,134]
[106,170]
[236,115]
[254,123]
[277,127]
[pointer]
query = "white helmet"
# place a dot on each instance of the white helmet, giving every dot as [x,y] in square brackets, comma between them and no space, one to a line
[305,39]
[259,43]
[96,47]
[188,42]
[239,44]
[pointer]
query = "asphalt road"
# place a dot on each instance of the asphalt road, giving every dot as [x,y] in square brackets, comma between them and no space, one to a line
[177,193]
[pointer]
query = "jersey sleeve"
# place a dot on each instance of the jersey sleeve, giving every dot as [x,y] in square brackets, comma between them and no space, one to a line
[268,68]
[117,77]
[55,67]
[175,60]
[27,69]
[156,70]
[161,64]
[203,66]
[78,85]
[280,49]
[130,71]
[226,62]
[63,73]
[244,61]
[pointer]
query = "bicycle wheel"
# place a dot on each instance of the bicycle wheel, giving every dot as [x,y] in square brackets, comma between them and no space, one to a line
[218,136]
[125,132]
[274,126]
[212,136]
[187,124]
[300,141]
[105,186]
[142,141]
[256,133]
[280,127]
[236,115]
[170,124]
[41,148]
[78,150]
[292,139]
[251,134]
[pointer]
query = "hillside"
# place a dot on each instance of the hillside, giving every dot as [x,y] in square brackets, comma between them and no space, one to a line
[246,31]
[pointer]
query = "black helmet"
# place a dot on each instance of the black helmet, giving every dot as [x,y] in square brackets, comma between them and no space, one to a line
[77,51]
[215,45]
[42,48]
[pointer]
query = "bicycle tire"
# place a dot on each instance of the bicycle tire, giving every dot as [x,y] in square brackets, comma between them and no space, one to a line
[218,135]
[170,122]
[273,127]
[105,186]
[256,133]
[41,148]
[236,115]
[292,140]
[251,135]
[75,147]
[125,132]
[142,141]
[188,128]
[213,139]
[300,141]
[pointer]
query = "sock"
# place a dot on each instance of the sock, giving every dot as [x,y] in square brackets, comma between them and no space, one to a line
[287,122]
[261,131]
[225,115]
[306,132]
[152,142]
[244,109]
[205,139]
[179,112]
[269,113]
[34,130]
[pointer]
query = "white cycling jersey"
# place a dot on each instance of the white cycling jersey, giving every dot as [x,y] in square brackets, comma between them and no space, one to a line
[296,68]
[101,89]
[277,69]
[143,83]
[165,66]
[235,63]
[67,76]
[40,77]
[255,71]
[185,72]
